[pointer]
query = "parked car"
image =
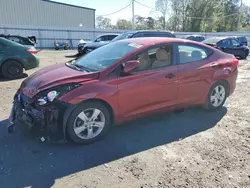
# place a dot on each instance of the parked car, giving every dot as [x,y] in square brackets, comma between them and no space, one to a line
[229,45]
[197,38]
[15,57]
[30,40]
[121,81]
[144,33]
[101,40]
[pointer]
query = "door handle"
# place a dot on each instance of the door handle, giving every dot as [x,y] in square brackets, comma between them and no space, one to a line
[171,75]
[214,65]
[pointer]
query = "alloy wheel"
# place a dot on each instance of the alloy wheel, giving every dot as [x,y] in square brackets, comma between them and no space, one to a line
[218,95]
[89,123]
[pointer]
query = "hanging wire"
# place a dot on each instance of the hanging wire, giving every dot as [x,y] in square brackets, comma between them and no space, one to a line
[116,11]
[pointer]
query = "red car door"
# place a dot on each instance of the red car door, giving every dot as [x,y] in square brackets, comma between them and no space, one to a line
[148,90]
[194,72]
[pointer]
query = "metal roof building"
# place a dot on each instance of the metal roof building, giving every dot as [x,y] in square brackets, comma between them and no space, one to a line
[45,13]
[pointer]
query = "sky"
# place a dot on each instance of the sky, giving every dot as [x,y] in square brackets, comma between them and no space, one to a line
[109,6]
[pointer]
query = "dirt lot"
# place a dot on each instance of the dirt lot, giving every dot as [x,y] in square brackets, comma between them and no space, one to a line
[193,149]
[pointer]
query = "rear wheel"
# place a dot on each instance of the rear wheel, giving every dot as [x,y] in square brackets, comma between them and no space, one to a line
[88,122]
[216,96]
[245,55]
[12,69]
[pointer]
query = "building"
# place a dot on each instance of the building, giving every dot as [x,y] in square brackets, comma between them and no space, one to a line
[45,13]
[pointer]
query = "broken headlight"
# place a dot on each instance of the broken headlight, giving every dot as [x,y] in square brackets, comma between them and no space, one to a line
[51,94]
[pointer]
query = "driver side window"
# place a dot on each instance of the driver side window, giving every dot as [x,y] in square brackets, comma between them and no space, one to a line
[156,57]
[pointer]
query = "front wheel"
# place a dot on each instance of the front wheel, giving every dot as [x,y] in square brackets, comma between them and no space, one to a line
[88,122]
[216,96]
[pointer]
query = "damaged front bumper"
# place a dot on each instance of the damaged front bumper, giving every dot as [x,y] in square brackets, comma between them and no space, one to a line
[46,119]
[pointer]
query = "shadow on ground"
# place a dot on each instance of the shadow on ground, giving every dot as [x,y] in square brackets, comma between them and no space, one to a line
[25,162]
[2,79]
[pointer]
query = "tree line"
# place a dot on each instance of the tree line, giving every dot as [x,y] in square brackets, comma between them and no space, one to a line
[189,16]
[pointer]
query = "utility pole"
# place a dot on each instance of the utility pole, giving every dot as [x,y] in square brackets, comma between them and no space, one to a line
[133,13]
[238,24]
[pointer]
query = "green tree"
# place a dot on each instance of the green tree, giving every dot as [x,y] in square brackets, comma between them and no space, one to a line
[139,22]
[124,24]
[150,23]
[231,10]
[163,7]
[103,23]
[245,18]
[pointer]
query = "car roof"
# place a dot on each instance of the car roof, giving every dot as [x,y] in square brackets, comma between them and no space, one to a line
[238,37]
[150,31]
[214,40]
[107,34]
[195,36]
[158,40]
[225,37]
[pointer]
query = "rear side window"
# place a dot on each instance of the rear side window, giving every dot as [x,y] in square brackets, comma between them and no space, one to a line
[235,43]
[165,34]
[192,53]
[111,37]
[242,39]
[137,35]
[158,34]
[25,41]
[14,39]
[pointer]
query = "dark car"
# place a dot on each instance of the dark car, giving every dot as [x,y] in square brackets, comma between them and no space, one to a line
[144,33]
[101,40]
[197,38]
[30,41]
[15,57]
[121,81]
[229,45]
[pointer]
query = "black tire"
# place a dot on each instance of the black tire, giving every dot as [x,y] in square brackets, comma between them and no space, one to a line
[12,69]
[245,55]
[209,106]
[71,120]
[82,52]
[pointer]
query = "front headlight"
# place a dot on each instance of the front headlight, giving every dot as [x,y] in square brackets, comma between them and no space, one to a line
[51,94]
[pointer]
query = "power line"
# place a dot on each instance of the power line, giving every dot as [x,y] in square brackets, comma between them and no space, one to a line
[144,5]
[116,11]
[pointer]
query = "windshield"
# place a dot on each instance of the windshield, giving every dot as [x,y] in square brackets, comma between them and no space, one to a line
[123,36]
[106,56]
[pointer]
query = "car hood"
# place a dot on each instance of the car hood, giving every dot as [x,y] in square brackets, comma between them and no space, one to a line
[96,44]
[53,76]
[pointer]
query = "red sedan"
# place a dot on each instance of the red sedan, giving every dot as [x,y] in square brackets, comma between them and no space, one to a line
[122,81]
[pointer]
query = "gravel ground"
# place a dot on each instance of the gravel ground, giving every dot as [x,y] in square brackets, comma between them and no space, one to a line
[192,149]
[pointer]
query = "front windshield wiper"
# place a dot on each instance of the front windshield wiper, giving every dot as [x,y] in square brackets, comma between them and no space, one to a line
[82,67]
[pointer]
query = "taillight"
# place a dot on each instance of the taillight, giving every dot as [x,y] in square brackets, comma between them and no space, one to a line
[32,51]
[236,62]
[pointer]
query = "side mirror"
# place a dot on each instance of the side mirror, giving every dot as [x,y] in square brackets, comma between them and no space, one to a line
[130,65]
